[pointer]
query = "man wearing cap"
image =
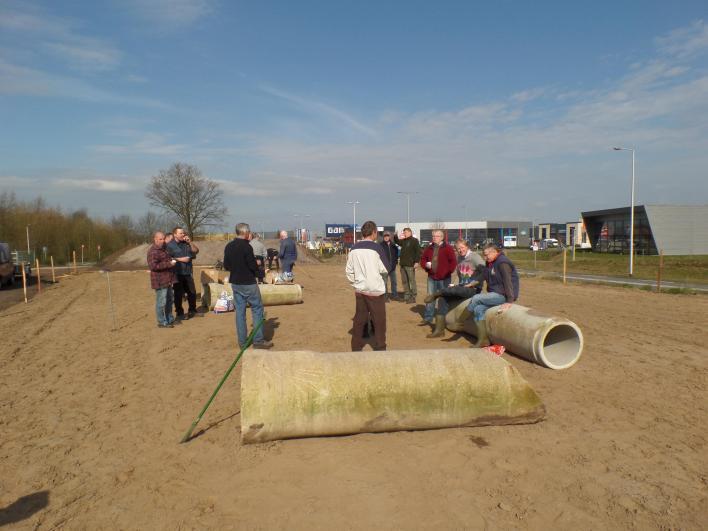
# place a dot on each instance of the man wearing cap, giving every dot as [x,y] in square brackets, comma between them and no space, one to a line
[408,259]
[391,252]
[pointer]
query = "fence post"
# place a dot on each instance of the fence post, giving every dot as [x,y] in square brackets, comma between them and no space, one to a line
[565,264]
[51,261]
[74,256]
[39,275]
[24,280]
[659,272]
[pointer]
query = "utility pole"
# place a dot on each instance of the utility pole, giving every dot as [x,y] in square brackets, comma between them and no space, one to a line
[408,201]
[354,204]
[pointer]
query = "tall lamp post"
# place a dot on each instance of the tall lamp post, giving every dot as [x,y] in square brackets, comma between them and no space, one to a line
[354,204]
[631,214]
[408,202]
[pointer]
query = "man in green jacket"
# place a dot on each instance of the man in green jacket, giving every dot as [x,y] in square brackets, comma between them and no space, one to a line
[408,260]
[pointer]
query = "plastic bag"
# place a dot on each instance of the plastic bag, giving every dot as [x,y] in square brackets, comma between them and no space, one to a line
[225,303]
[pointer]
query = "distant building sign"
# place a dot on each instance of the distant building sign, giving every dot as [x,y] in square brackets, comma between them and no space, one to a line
[336,230]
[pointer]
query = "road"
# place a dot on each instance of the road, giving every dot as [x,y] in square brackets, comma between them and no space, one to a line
[602,279]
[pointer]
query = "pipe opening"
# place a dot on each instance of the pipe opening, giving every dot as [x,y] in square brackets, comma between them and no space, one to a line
[561,347]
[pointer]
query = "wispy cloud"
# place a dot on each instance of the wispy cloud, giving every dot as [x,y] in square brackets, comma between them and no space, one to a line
[99,185]
[16,79]
[170,15]
[685,42]
[147,144]
[320,108]
[60,37]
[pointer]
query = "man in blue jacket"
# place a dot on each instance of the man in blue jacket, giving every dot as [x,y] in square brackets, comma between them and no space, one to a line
[391,252]
[287,255]
[183,250]
[502,281]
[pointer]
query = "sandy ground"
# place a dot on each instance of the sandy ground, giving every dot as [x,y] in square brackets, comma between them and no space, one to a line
[90,420]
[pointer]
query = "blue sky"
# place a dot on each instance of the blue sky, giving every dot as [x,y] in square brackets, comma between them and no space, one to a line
[502,110]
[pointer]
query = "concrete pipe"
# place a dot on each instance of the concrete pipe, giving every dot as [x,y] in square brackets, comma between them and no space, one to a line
[553,342]
[271,294]
[308,394]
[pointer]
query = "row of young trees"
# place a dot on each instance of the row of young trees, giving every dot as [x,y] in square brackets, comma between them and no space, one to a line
[57,233]
[184,196]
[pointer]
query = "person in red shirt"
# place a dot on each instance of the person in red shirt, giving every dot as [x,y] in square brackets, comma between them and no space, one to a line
[439,261]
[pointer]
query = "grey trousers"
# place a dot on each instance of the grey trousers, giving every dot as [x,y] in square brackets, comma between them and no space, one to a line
[408,281]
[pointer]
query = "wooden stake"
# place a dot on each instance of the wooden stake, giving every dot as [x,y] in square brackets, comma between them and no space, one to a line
[51,261]
[24,281]
[659,272]
[39,275]
[565,264]
[75,270]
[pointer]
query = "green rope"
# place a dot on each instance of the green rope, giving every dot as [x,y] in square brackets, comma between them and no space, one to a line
[249,342]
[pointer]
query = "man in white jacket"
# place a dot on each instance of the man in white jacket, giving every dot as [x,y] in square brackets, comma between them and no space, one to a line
[365,265]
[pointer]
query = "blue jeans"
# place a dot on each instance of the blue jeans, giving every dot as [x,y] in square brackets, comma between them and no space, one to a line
[391,275]
[163,305]
[435,286]
[481,302]
[243,294]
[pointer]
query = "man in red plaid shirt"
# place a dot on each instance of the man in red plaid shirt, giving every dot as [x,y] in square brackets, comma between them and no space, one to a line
[162,276]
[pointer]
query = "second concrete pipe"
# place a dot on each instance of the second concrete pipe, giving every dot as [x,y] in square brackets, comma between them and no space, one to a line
[553,342]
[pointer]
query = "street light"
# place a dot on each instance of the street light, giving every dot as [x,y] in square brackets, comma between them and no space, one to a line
[408,198]
[631,214]
[354,204]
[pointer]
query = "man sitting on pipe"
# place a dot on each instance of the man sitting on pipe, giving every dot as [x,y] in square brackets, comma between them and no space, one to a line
[470,274]
[502,289]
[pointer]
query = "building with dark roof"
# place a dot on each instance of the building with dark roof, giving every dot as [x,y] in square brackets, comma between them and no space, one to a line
[673,229]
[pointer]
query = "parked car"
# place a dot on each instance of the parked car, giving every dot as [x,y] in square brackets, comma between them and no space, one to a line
[7,268]
[548,243]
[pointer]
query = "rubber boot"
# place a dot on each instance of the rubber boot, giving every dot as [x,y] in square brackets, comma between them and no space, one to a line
[482,338]
[439,330]
[464,315]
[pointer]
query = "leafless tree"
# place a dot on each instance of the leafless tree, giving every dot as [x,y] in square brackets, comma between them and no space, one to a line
[151,222]
[193,199]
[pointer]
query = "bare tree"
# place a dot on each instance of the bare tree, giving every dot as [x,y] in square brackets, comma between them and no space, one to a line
[151,222]
[193,199]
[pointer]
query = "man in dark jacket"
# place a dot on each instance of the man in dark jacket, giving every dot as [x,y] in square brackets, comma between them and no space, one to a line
[240,262]
[183,249]
[391,252]
[408,259]
[502,281]
[287,255]
[162,276]
[440,262]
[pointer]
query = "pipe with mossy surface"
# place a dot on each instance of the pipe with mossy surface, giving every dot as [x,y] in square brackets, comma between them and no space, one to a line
[553,342]
[308,394]
[271,294]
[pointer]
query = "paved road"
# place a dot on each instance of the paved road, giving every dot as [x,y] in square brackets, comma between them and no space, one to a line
[665,284]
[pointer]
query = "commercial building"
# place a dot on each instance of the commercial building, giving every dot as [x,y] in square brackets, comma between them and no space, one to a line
[509,233]
[676,230]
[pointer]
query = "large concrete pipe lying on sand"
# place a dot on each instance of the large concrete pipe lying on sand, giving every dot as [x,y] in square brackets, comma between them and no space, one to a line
[554,342]
[307,394]
[271,294]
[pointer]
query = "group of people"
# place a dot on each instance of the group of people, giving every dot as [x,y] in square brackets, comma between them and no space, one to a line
[171,275]
[371,265]
[371,269]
